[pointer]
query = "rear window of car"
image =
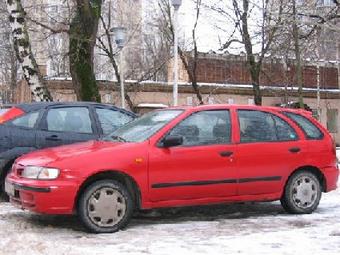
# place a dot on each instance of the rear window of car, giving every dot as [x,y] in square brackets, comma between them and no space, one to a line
[311,131]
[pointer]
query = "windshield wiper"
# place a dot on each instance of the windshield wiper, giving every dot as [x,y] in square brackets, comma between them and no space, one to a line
[118,138]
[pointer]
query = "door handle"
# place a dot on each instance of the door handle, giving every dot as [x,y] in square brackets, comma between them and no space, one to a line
[226,153]
[53,138]
[294,149]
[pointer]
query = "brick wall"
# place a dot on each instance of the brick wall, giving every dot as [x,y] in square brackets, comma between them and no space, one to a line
[233,69]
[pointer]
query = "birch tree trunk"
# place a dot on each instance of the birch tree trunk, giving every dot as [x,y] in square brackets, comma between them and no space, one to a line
[22,47]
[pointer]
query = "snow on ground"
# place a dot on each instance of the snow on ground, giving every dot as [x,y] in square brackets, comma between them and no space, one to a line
[261,228]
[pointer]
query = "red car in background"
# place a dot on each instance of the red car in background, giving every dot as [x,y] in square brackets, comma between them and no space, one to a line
[181,157]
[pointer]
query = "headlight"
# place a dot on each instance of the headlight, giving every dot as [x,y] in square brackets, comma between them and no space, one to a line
[40,173]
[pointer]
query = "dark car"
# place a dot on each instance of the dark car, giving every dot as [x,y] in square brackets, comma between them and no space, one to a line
[28,127]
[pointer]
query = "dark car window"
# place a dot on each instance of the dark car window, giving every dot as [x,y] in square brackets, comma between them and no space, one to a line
[310,130]
[110,120]
[69,119]
[206,127]
[27,121]
[256,126]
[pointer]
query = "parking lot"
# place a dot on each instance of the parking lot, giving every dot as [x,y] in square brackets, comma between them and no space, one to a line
[262,228]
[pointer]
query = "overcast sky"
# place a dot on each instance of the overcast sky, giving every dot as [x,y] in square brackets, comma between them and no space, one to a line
[207,33]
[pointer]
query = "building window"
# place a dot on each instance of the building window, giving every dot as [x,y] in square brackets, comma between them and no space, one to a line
[251,101]
[315,114]
[230,100]
[107,98]
[325,3]
[332,120]
[189,101]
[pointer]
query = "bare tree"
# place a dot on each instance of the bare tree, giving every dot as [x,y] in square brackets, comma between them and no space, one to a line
[83,34]
[190,67]
[8,61]
[22,47]
[256,26]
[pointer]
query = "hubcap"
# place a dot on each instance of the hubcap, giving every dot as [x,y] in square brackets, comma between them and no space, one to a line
[106,207]
[305,192]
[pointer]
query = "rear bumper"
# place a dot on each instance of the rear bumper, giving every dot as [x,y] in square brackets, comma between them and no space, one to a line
[45,197]
[331,176]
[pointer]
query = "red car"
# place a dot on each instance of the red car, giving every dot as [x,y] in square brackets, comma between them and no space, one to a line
[181,157]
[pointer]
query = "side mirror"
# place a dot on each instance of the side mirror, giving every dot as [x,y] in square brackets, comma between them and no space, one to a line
[171,141]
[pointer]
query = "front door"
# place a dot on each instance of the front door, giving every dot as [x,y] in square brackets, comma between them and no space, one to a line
[202,167]
[66,125]
[268,151]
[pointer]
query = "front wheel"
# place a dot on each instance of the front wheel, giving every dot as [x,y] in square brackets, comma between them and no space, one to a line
[302,193]
[105,206]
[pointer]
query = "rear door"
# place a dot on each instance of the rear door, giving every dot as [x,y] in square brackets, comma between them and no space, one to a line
[22,132]
[268,150]
[66,125]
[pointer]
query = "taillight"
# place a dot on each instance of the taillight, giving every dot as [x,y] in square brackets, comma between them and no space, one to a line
[11,114]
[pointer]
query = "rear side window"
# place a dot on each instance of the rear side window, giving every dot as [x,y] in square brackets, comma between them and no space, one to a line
[257,126]
[310,130]
[284,131]
[27,121]
[69,119]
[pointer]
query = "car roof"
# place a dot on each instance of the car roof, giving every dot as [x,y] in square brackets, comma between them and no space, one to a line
[236,106]
[29,107]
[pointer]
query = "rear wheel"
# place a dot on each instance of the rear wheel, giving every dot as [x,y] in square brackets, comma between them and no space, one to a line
[302,193]
[105,206]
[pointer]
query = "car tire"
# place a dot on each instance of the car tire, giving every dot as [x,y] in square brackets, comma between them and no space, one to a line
[3,195]
[106,206]
[302,193]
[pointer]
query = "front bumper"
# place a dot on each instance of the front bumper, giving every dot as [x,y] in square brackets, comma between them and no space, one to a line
[47,197]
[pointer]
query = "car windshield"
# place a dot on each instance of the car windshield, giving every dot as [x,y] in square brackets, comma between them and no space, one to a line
[144,127]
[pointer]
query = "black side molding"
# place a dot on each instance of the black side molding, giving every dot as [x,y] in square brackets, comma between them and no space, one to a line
[212,182]
[192,183]
[260,179]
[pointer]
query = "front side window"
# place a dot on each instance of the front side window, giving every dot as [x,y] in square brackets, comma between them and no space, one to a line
[204,128]
[144,127]
[69,119]
[110,120]
[310,130]
[27,121]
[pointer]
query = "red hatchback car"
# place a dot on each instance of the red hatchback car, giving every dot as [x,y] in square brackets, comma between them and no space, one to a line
[181,157]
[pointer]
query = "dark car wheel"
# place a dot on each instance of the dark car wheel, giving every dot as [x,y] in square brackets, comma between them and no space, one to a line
[302,193]
[105,206]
